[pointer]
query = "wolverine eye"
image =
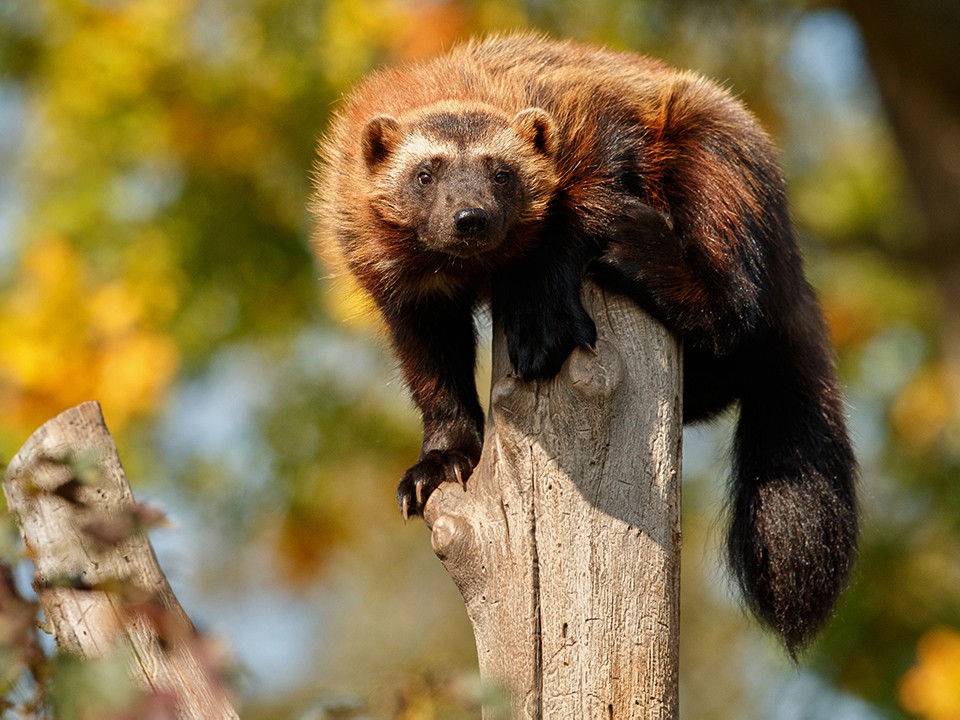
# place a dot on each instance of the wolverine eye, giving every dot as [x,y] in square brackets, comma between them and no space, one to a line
[424,178]
[502,177]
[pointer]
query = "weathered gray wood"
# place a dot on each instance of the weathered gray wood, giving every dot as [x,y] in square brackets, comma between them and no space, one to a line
[99,595]
[565,543]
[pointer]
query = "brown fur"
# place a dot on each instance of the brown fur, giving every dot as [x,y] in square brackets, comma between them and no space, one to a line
[513,165]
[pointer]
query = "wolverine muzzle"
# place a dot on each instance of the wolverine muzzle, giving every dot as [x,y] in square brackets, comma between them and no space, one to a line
[471,221]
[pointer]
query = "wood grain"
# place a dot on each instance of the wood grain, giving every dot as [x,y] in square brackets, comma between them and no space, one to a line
[565,543]
[68,489]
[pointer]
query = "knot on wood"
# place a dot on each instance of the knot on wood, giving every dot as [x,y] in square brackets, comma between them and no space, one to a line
[595,374]
[511,397]
[452,538]
[455,542]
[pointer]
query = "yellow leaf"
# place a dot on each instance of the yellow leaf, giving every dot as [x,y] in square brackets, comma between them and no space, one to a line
[924,409]
[70,338]
[931,689]
[134,372]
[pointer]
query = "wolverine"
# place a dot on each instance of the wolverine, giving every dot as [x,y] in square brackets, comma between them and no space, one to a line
[513,167]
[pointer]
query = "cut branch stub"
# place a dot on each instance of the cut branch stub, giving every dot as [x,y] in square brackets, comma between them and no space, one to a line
[97,578]
[565,543]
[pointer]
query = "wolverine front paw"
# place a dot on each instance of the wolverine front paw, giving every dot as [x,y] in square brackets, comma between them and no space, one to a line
[436,467]
[539,346]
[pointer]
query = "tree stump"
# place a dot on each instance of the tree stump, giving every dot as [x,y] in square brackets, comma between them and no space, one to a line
[565,542]
[97,578]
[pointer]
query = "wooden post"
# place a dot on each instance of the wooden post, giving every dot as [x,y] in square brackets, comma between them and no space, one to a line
[565,543]
[96,576]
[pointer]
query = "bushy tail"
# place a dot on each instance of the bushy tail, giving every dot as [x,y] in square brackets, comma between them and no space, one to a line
[794,521]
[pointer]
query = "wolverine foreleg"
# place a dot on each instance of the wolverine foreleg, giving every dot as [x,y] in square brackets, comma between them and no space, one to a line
[539,301]
[435,342]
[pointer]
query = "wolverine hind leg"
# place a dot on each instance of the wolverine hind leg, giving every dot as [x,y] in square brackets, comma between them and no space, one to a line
[712,304]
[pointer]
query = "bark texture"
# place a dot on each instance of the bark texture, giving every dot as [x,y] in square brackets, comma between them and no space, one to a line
[97,577]
[565,543]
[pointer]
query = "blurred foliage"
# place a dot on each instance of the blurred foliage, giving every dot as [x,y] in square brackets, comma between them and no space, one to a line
[69,337]
[931,689]
[154,254]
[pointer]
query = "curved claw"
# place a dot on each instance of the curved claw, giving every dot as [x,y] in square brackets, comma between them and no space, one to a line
[422,479]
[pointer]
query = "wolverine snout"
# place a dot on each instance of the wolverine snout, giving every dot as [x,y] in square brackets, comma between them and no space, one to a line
[471,221]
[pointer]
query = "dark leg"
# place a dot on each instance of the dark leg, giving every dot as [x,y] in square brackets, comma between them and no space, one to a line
[539,301]
[710,384]
[435,343]
[712,303]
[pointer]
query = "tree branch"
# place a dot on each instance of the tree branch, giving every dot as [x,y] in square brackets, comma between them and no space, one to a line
[96,575]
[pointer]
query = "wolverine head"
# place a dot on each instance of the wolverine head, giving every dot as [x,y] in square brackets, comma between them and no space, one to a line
[461,178]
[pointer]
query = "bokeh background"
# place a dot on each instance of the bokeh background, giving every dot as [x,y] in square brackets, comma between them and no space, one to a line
[155,160]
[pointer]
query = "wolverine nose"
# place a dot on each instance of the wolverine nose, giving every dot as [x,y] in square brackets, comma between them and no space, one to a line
[471,221]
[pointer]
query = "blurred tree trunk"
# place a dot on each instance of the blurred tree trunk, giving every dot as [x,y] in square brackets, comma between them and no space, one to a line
[914,50]
[565,542]
[96,575]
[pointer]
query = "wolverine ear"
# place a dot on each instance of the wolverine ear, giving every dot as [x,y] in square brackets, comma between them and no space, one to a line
[536,126]
[379,138]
